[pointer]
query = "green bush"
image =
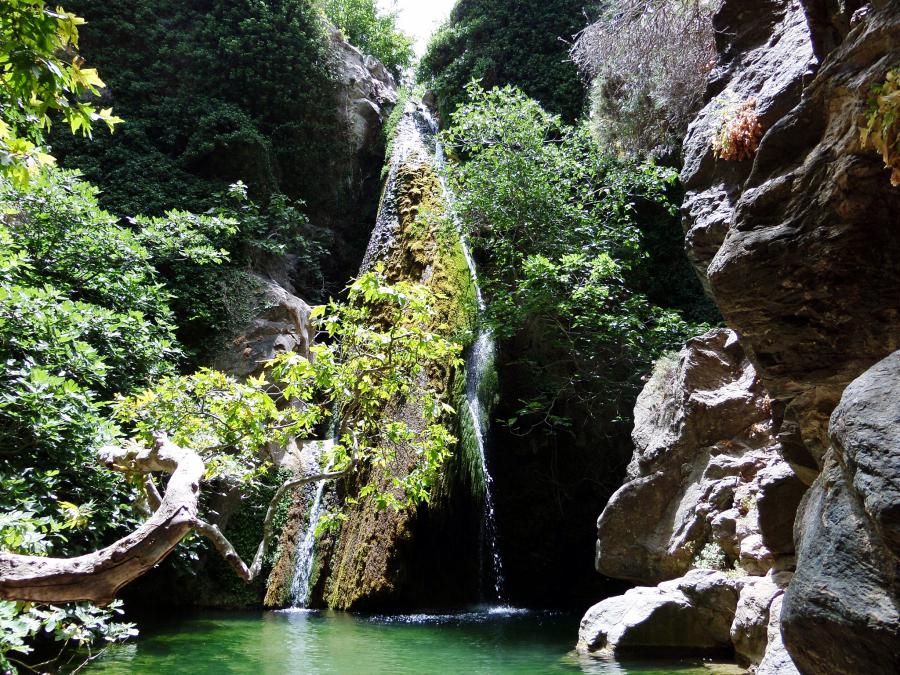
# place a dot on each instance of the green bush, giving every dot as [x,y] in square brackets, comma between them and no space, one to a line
[554,223]
[82,317]
[520,42]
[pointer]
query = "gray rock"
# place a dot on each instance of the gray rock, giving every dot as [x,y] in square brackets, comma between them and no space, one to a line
[776,660]
[752,629]
[703,444]
[688,615]
[367,93]
[841,612]
[751,619]
[281,325]
[865,430]
[806,271]
[780,492]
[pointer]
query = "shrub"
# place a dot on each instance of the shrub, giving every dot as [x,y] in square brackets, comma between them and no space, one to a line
[213,92]
[882,127]
[82,317]
[648,61]
[554,221]
[739,132]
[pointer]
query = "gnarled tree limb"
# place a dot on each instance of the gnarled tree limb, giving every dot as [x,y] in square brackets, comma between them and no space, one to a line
[98,576]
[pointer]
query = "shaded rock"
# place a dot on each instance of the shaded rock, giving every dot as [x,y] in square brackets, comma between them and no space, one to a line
[841,612]
[865,430]
[703,445]
[688,615]
[780,492]
[765,52]
[751,629]
[776,660]
[281,325]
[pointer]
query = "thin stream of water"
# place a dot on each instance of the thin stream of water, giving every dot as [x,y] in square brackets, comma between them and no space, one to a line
[306,549]
[479,360]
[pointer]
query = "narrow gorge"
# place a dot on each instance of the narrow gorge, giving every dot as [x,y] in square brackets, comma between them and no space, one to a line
[467,336]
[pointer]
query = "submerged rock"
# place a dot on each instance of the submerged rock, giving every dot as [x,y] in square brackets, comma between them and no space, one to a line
[705,457]
[689,615]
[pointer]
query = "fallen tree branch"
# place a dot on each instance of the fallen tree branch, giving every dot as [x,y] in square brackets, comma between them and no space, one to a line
[97,577]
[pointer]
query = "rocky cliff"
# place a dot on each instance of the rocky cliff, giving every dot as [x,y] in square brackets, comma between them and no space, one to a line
[799,247]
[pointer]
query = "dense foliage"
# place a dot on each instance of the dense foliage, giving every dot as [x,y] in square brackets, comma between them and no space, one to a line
[648,61]
[555,224]
[214,93]
[373,31]
[41,74]
[83,317]
[520,42]
[380,345]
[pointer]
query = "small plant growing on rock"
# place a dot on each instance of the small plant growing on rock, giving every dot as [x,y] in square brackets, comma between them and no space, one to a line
[710,557]
[882,128]
[739,132]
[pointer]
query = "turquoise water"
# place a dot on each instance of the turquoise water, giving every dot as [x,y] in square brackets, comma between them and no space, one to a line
[317,643]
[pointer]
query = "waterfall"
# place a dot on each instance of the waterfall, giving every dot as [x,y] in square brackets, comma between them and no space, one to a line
[305,554]
[478,362]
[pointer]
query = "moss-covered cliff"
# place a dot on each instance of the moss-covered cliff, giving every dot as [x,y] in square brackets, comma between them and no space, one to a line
[384,557]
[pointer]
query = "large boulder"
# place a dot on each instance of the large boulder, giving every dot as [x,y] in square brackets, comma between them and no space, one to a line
[367,93]
[842,612]
[705,458]
[688,615]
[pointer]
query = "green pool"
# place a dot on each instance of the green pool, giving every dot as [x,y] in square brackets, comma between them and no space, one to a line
[273,643]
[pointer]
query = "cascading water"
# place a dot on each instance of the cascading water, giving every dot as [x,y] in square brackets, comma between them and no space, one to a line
[479,361]
[306,549]
[416,141]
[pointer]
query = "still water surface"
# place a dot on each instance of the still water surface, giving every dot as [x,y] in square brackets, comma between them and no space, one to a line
[486,641]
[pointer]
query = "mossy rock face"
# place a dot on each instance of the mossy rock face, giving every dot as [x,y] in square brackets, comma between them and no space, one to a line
[369,562]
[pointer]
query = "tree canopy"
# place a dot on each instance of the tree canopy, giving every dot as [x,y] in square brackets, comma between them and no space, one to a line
[523,43]
[41,76]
